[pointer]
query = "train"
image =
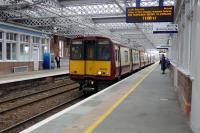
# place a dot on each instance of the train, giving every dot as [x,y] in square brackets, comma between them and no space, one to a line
[95,60]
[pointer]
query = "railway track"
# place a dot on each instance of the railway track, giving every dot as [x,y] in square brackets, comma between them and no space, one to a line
[17,102]
[16,112]
[15,127]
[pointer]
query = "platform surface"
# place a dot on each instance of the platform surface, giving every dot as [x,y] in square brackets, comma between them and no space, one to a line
[15,77]
[141,103]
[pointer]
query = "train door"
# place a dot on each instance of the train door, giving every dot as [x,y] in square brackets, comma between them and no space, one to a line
[140,59]
[90,56]
[120,62]
[117,61]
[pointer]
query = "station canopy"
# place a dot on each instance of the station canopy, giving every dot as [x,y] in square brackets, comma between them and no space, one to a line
[72,18]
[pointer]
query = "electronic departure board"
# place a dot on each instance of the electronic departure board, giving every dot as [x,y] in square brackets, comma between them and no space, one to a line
[149,14]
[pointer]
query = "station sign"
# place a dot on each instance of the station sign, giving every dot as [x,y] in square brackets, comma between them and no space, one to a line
[150,14]
[165,28]
[162,50]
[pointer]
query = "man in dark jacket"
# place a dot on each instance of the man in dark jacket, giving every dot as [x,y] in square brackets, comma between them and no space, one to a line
[57,58]
[163,63]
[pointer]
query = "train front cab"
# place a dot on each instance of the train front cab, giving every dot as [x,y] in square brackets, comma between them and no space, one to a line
[90,62]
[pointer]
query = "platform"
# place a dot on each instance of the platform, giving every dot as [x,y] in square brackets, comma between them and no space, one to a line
[142,103]
[15,77]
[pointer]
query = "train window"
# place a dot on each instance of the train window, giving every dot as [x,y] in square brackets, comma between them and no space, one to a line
[126,56]
[116,54]
[76,51]
[136,57]
[103,52]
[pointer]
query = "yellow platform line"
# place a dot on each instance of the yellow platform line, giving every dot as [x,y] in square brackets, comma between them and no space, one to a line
[131,88]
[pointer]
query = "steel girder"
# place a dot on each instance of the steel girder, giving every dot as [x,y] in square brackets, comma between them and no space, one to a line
[80,17]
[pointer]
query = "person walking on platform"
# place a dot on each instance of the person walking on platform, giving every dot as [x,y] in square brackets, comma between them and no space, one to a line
[57,58]
[163,63]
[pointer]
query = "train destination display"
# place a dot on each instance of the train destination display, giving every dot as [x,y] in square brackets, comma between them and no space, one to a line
[149,14]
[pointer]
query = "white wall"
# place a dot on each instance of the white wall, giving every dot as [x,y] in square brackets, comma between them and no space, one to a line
[185,54]
[195,68]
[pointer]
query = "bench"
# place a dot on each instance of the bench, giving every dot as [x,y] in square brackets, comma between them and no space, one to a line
[20,69]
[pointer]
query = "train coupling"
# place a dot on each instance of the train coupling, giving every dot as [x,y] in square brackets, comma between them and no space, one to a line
[89,85]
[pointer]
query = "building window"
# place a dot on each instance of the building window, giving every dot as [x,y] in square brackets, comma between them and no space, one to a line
[36,39]
[25,38]
[61,48]
[11,51]
[24,51]
[1,51]
[44,46]
[11,36]
[44,49]
[24,47]
[45,41]
[1,35]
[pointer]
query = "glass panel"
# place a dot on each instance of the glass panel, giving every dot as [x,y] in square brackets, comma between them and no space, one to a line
[116,52]
[0,50]
[24,52]
[90,49]
[21,49]
[103,52]
[7,36]
[11,36]
[36,39]
[8,51]
[21,38]
[43,41]
[27,39]
[15,37]
[44,49]
[1,35]
[14,51]
[126,56]
[76,51]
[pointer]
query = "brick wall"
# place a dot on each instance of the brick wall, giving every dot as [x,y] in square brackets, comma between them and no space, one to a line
[184,90]
[7,67]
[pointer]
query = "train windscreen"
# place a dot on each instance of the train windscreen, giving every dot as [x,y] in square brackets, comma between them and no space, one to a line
[103,50]
[89,49]
[76,50]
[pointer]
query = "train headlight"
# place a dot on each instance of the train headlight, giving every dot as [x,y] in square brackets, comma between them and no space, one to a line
[99,72]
